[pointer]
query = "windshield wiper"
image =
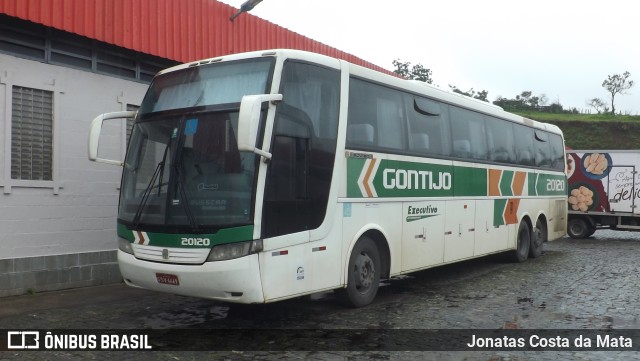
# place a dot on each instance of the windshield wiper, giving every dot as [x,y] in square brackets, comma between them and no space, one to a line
[157,174]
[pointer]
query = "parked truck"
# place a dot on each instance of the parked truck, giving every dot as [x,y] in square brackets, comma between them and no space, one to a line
[604,189]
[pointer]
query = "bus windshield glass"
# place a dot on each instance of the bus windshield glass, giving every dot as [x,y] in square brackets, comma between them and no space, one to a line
[206,85]
[183,169]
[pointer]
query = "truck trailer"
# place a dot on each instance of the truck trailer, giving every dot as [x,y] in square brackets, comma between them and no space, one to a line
[603,191]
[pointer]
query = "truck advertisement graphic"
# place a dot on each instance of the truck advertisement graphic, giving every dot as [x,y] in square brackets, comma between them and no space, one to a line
[603,191]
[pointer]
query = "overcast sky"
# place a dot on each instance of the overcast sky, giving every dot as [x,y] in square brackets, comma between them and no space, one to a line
[561,48]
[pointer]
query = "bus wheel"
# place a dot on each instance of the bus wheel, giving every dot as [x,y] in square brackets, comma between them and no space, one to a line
[539,237]
[521,253]
[577,228]
[363,275]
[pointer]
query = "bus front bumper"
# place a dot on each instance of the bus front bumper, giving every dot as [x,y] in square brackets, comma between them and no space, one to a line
[236,280]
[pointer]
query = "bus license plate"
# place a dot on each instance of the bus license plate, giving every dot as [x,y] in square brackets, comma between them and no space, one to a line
[167,279]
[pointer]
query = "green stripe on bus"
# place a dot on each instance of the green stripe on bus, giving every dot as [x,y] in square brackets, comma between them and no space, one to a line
[223,236]
[551,185]
[505,183]
[471,182]
[375,177]
[533,178]
[498,211]
[410,179]
[123,232]
[354,168]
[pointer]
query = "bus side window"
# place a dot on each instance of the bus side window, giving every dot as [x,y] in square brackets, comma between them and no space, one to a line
[427,126]
[557,152]
[468,134]
[360,134]
[303,149]
[524,144]
[501,140]
[377,117]
[543,149]
[390,120]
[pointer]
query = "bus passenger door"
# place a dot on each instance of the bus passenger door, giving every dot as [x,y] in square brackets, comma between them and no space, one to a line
[422,234]
[459,231]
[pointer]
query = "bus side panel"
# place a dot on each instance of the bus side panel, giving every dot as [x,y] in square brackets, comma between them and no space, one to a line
[459,231]
[490,237]
[422,234]
[303,268]
[280,267]
[358,217]
[558,224]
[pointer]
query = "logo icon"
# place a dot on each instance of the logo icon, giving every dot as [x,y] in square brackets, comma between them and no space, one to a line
[21,340]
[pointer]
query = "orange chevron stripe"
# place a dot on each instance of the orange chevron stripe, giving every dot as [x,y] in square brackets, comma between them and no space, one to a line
[511,211]
[140,237]
[494,182]
[367,175]
[517,185]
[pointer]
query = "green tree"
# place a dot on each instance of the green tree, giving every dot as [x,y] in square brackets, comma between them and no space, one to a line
[597,104]
[481,95]
[415,72]
[617,84]
[527,101]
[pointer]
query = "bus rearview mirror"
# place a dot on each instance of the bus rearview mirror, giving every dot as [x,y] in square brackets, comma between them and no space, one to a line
[94,135]
[249,122]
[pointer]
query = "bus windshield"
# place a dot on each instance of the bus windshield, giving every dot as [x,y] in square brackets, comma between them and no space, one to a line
[183,169]
[207,85]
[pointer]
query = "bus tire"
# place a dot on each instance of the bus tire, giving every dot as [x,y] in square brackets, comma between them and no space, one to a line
[577,228]
[521,253]
[538,239]
[363,275]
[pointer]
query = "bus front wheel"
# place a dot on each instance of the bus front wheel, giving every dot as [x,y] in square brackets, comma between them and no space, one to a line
[363,275]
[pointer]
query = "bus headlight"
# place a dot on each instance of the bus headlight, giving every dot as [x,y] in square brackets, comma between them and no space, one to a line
[225,252]
[125,246]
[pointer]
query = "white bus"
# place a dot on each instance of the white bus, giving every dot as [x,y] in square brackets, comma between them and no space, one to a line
[263,176]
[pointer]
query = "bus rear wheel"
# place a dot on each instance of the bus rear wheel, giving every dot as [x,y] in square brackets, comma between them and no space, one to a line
[539,237]
[363,275]
[521,253]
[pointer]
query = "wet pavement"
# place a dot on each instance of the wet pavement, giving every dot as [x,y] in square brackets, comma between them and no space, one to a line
[589,284]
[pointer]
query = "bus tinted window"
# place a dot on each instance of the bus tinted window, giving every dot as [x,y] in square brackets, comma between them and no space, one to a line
[524,145]
[468,134]
[428,132]
[500,140]
[557,152]
[376,116]
[542,148]
[214,84]
[314,91]
[390,120]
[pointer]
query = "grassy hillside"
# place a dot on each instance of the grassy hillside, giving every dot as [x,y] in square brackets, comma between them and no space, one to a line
[594,131]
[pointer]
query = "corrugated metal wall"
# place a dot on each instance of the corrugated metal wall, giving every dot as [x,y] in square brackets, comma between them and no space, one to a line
[181,30]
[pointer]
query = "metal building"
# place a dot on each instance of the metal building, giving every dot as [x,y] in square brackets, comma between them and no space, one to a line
[62,62]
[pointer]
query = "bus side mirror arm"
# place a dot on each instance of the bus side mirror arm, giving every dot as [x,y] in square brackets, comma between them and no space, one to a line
[249,122]
[94,135]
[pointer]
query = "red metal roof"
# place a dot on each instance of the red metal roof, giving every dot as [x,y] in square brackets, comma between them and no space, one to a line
[181,30]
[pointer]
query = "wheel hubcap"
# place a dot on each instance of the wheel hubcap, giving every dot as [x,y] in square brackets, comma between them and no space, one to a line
[364,272]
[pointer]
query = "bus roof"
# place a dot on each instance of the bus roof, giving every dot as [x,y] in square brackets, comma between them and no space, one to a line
[413,86]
